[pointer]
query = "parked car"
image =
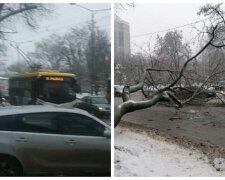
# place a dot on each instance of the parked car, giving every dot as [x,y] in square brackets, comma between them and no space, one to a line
[49,140]
[118,90]
[96,105]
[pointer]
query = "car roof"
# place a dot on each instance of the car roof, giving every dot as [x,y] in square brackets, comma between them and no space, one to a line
[95,96]
[10,110]
[26,109]
[119,86]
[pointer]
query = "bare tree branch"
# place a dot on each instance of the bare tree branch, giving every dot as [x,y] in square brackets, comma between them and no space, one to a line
[189,60]
[26,8]
[130,106]
[217,46]
[196,92]
[214,32]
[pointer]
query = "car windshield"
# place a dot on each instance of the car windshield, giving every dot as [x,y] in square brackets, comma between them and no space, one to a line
[119,87]
[99,100]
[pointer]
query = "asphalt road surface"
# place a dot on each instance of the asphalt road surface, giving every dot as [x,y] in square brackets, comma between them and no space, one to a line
[204,123]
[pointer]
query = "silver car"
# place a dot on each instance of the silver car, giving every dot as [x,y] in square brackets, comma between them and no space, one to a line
[36,140]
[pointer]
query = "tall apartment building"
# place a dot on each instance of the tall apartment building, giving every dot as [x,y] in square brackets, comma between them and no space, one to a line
[121,38]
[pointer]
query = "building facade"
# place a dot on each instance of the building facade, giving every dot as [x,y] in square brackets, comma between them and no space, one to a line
[121,38]
[3,83]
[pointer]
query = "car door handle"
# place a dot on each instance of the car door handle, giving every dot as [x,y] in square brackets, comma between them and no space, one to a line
[21,139]
[71,141]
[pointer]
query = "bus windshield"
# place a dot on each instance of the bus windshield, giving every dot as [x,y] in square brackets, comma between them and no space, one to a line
[57,92]
[49,86]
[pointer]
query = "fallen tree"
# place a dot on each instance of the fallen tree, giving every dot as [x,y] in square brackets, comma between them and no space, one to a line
[167,93]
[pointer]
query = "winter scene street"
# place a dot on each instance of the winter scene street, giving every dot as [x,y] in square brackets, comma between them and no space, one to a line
[169,90]
[55,89]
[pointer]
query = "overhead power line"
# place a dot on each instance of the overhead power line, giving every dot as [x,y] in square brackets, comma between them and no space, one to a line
[82,7]
[51,30]
[165,30]
[25,57]
[91,10]
[140,47]
[98,10]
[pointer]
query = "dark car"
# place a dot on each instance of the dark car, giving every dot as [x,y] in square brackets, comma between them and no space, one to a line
[96,105]
[41,140]
[118,90]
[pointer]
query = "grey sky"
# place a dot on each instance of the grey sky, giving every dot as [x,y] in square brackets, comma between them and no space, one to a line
[64,17]
[150,18]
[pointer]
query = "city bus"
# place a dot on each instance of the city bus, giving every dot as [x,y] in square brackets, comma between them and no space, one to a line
[45,85]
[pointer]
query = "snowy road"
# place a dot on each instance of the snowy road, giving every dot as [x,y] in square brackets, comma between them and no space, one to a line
[205,123]
[140,154]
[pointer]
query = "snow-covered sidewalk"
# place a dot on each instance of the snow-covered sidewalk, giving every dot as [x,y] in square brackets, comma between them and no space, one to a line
[138,154]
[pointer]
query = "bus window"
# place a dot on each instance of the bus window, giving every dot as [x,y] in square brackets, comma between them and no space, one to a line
[57,92]
[26,97]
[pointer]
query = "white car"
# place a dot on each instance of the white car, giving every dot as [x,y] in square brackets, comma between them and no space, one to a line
[118,90]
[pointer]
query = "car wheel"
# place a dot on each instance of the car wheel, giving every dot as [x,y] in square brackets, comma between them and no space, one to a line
[9,167]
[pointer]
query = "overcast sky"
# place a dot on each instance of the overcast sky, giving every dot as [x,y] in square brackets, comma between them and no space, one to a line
[151,18]
[64,17]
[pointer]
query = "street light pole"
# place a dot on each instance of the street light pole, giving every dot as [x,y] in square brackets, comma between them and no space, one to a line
[93,77]
[92,47]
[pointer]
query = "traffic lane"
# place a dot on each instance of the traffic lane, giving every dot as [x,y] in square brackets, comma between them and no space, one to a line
[198,122]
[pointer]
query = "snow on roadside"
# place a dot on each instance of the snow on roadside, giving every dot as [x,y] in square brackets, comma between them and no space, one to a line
[137,154]
[81,95]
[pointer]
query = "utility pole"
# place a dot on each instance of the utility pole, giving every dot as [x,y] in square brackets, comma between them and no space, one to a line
[93,56]
[92,65]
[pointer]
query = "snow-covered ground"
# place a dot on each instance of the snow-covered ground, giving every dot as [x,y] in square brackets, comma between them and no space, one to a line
[138,154]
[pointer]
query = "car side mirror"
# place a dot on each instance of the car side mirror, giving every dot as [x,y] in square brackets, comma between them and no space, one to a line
[107,133]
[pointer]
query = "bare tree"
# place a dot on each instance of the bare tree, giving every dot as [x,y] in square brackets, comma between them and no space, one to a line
[18,67]
[81,51]
[28,12]
[166,93]
[123,6]
[97,56]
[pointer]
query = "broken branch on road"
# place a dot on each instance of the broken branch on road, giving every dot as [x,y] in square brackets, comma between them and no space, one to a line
[164,94]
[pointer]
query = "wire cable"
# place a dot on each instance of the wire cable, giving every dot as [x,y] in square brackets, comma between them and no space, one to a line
[165,30]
